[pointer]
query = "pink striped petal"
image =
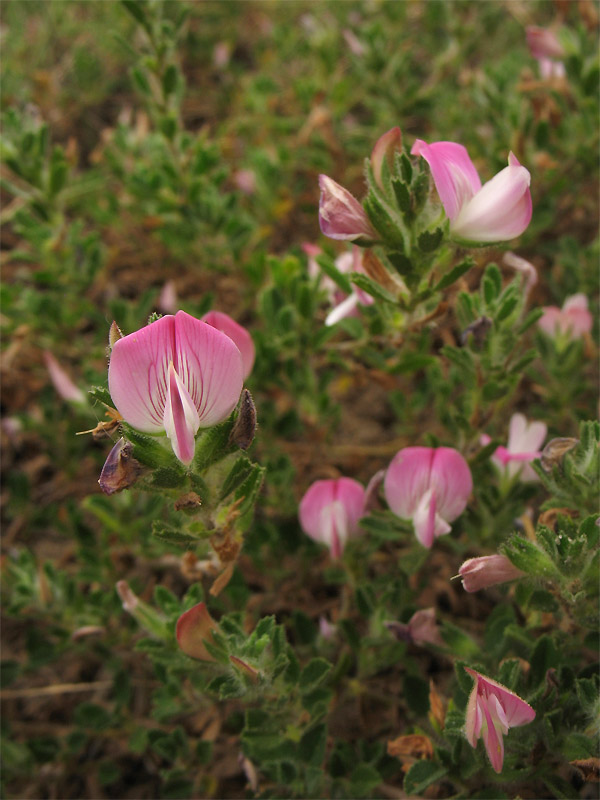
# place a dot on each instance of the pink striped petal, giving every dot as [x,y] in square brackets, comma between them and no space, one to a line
[138,372]
[181,420]
[500,210]
[238,335]
[210,367]
[454,174]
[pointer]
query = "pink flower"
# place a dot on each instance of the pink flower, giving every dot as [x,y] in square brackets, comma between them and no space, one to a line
[479,573]
[61,381]
[495,212]
[547,50]
[245,180]
[493,709]
[429,485]
[167,299]
[570,322]
[421,629]
[341,216]
[524,445]
[194,627]
[384,149]
[347,305]
[177,375]
[238,335]
[330,511]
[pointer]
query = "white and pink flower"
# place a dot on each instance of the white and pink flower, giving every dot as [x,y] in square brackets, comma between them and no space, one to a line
[493,709]
[571,321]
[547,50]
[525,441]
[495,212]
[330,512]
[430,486]
[176,375]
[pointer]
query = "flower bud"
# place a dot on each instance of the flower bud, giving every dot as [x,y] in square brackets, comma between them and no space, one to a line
[384,150]
[479,573]
[194,628]
[341,216]
[244,428]
[120,470]
[114,334]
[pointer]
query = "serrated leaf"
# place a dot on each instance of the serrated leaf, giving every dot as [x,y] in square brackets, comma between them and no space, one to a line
[371,287]
[455,273]
[402,195]
[429,241]
[339,278]
[172,535]
[238,474]
[102,394]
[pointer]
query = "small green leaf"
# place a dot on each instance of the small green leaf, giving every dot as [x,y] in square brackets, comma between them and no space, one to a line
[371,287]
[169,80]
[363,780]
[402,195]
[311,747]
[421,775]
[455,273]
[329,268]
[544,656]
[429,241]
[313,673]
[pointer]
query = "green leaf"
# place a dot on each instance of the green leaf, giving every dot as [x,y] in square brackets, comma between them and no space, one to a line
[311,747]
[313,673]
[371,287]
[102,394]
[90,715]
[455,273]
[507,307]
[137,10]
[402,195]
[544,656]
[213,445]
[169,80]
[421,775]
[528,557]
[363,780]
[171,535]
[238,474]
[587,693]
[429,241]
[416,694]
[542,600]
[383,221]
[248,491]
[340,279]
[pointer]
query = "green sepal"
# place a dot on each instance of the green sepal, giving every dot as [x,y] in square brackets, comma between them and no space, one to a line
[149,450]
[213,445]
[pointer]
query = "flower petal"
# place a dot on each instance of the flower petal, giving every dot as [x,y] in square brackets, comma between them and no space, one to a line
[181,420]
[451,481]
[407,480]
[138,372]
[384,149]
[454,174]
[492,740]
[500,210]
[525,438]
[210,367]
[517,711]
[194,628]
[427,522]
[238,335]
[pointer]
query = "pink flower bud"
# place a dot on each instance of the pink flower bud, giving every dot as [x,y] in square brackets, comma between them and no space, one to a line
[238,335]
[421,629]
[61,381]
[176,375]
[330,512]
[128,598]
[493,709]
[570,322]
[384,149]
[495,212]
[194,627]
[479,573]
[429,485]
[341,216]
[547,50]
[245,180]
[167,300]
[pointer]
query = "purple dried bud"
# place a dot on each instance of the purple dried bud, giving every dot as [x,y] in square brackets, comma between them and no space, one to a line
[120,470]
[244,427]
